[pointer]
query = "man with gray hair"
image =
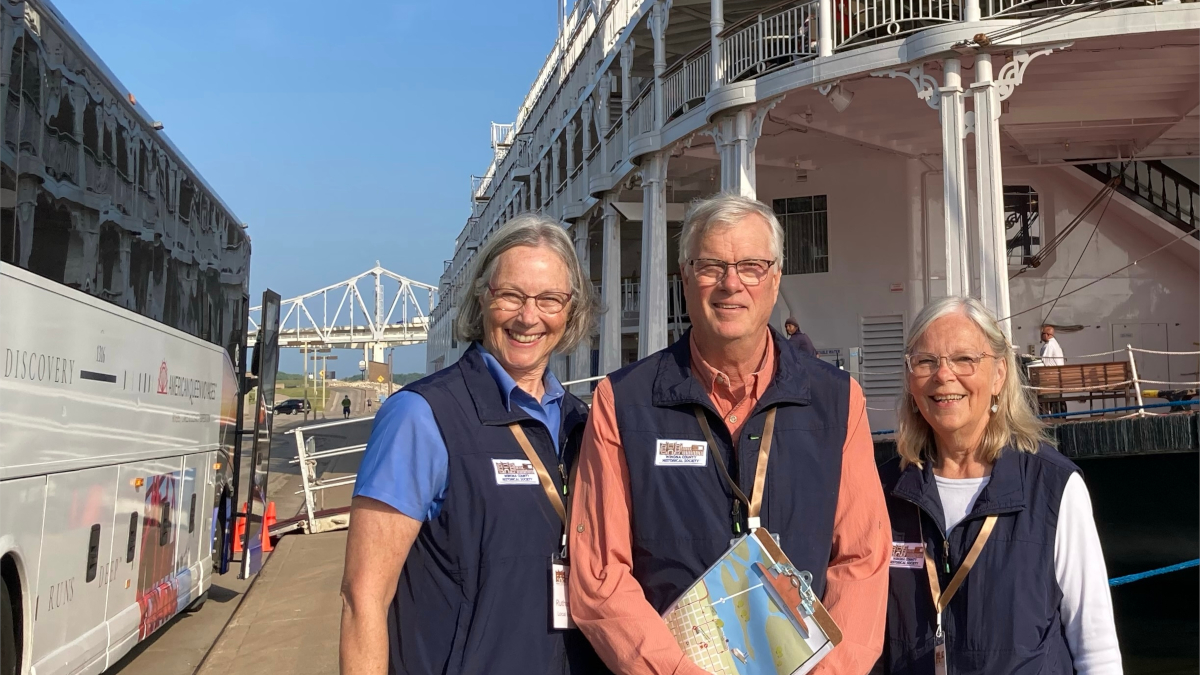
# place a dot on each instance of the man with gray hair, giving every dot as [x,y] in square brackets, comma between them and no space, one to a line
[643,529]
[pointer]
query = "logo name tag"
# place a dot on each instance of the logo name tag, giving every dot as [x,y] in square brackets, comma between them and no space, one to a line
[668,452]
[515,472]
[560,610]
[908,556]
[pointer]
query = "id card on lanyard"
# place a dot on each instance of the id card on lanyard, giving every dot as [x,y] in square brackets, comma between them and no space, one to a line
[560,570]
[942,600]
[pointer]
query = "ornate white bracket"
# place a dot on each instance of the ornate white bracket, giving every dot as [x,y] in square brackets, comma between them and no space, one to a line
[968,123]
[760,116]
[927,85]
[1013,72]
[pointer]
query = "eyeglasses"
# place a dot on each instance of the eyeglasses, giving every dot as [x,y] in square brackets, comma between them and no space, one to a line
[709,271]
[511,300]
[924,365]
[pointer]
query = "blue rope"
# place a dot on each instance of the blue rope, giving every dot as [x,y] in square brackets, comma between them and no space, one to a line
[1121,409]
[1120,581]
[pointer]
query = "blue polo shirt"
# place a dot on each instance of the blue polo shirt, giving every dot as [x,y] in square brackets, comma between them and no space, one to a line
[404,465]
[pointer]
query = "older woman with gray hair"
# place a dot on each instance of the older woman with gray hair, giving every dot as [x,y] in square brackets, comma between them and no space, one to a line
[464,481]
[996,564]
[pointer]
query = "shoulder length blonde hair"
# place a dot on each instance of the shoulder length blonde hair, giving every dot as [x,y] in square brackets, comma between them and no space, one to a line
[1013,424]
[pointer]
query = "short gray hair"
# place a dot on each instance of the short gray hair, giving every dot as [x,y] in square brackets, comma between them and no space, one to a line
[726,209]
[1015,421]
[537,230]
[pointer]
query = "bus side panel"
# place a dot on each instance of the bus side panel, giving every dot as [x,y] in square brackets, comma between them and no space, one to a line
[69,635]
[135,543]
[196,499]
[22,510]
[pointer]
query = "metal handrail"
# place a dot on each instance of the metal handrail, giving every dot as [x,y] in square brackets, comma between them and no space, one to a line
[771,41]
[688,82]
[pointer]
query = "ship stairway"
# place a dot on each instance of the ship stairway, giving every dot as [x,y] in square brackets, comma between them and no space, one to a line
[1155,187]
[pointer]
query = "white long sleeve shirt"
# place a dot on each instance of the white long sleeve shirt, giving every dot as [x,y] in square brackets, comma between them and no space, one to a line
[1086,605]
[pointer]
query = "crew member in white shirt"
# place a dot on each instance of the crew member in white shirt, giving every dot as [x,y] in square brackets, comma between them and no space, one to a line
[1052,353]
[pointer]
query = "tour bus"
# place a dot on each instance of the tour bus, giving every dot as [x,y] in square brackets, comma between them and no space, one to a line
[123,296]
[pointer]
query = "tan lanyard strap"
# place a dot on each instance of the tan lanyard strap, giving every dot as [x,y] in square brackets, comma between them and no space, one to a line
[754,503]
[556,499]
[940,600]
[760,472]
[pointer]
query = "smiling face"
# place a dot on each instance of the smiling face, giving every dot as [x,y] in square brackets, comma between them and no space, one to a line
[730,310]
[957,407]
[522,340]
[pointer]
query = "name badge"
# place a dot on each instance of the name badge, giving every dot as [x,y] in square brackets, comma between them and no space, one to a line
[515,472]
[668,452]
[908,556]
[560,611]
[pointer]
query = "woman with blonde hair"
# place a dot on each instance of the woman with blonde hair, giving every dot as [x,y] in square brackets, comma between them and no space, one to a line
[996,564]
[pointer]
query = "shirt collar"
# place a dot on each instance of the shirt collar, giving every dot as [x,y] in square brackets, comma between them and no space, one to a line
[710,378]
[508,386]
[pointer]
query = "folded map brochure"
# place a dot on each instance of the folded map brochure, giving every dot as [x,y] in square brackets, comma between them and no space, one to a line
[752,613]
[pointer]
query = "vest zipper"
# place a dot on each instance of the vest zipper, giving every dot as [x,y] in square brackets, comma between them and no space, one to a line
[562,471]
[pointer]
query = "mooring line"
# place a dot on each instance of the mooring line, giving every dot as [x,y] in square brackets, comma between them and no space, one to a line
[1121,581]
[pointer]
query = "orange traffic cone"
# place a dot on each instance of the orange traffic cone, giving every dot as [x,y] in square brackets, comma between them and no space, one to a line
[268,521]
[239,529]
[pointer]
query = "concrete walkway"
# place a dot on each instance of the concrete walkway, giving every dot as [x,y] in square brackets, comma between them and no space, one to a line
[289,622]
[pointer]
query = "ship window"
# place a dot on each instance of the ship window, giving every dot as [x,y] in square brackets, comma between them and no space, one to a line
[805,234]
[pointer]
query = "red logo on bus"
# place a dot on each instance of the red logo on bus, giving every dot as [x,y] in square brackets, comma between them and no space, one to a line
[162,378]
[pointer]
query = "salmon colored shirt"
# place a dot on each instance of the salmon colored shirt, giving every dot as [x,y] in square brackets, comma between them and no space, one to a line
[608,603]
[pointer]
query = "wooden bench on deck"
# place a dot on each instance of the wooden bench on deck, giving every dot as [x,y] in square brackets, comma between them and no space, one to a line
[1082,382]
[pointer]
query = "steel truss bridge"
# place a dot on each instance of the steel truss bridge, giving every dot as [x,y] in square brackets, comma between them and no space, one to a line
[388,315]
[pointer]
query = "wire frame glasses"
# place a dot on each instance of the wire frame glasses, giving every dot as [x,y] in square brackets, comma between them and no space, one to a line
[709,271]
[962,363]
[512,300]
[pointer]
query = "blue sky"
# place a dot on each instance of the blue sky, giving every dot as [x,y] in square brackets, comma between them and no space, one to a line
[342,133]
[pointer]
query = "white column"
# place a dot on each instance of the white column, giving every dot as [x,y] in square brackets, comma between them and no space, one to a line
[736,137]
[569,141]
[581,360]
[716,24]
[989,191]
[555,173]
[652,310]
[602,94]
[545,177]
[659,14]
[971,10]
[954,175]
[825,28]
[586,145]
[610,290]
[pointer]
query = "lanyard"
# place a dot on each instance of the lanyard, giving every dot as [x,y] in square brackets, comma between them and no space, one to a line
[942,600]
[556,500]
[754,503]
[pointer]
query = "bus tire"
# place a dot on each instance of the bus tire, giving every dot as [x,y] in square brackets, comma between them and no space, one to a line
[8,632]
[197,603]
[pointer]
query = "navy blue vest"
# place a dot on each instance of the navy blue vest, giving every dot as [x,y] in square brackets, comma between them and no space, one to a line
[1004,619]
[474,596]
[682,515]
